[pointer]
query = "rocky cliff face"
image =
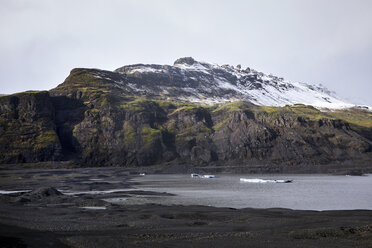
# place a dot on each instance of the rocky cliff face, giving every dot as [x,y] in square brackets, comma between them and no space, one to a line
[94,119]
[27,128]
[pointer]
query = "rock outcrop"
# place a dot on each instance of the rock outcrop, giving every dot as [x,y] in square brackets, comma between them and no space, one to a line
[27,128]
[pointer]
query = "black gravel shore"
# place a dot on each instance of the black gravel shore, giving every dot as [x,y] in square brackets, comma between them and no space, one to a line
[50,215]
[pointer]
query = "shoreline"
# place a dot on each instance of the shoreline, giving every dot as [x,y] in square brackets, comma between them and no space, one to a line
[337,169]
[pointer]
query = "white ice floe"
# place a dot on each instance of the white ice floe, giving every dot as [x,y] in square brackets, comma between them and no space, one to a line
[194,175]
[7,192]
[254,180]
[209,176]
[94,208]
[258,180]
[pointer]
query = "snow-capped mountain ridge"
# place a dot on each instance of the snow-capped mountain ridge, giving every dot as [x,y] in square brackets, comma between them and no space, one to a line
[202,82]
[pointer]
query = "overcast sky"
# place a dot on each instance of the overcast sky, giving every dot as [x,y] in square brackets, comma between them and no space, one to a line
[311,41]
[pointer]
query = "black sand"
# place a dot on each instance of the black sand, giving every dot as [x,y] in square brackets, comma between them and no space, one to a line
[46,218]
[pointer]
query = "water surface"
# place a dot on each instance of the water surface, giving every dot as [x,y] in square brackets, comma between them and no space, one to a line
[307,192]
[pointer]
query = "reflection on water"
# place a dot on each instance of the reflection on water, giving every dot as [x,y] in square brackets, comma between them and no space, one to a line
[311,192]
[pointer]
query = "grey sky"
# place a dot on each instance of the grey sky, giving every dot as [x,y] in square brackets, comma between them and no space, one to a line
[312,41]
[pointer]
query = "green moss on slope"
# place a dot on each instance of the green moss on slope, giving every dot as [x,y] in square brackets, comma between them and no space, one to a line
[149,135]
[129,134]
[139,105]
[232,107]
[46,138]
[297,110]
[356,117]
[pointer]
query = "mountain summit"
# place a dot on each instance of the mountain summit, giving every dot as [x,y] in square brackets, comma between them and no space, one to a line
[200,82]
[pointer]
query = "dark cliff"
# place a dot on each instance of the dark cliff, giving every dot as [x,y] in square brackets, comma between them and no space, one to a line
[27,128]
[93,120]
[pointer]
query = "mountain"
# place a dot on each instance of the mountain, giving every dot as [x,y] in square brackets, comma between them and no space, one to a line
[206,83]
[190,113]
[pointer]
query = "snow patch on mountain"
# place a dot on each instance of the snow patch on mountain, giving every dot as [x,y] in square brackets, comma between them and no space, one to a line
[208,83]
